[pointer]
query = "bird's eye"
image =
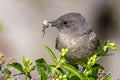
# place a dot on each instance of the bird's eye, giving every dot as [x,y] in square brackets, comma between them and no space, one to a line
[65,22]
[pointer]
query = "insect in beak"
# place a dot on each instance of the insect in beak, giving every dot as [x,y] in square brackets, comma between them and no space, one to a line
[47,24]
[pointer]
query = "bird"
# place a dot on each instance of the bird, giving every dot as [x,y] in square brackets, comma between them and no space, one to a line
[76,35]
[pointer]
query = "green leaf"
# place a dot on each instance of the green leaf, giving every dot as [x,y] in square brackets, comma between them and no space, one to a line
[94,70]
[74,78]
[74,71]
[51,54]
[17,66]
[97,66]
[91,78]
[8,74]
[82,63]
[106,42]
[108,77]
[42,73]
[100,52]
[41,62]
[29,76]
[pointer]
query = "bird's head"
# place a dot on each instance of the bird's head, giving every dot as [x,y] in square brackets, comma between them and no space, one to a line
[70,22]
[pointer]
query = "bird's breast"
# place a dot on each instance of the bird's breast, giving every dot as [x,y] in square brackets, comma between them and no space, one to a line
[67,41]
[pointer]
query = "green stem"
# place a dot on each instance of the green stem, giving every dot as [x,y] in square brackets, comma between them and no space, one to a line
[58,65]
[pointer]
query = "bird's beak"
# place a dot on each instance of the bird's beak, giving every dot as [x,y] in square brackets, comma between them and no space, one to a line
[52,23]
[49,24]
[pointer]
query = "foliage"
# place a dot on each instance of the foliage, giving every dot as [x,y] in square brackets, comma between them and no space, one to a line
[61,70]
